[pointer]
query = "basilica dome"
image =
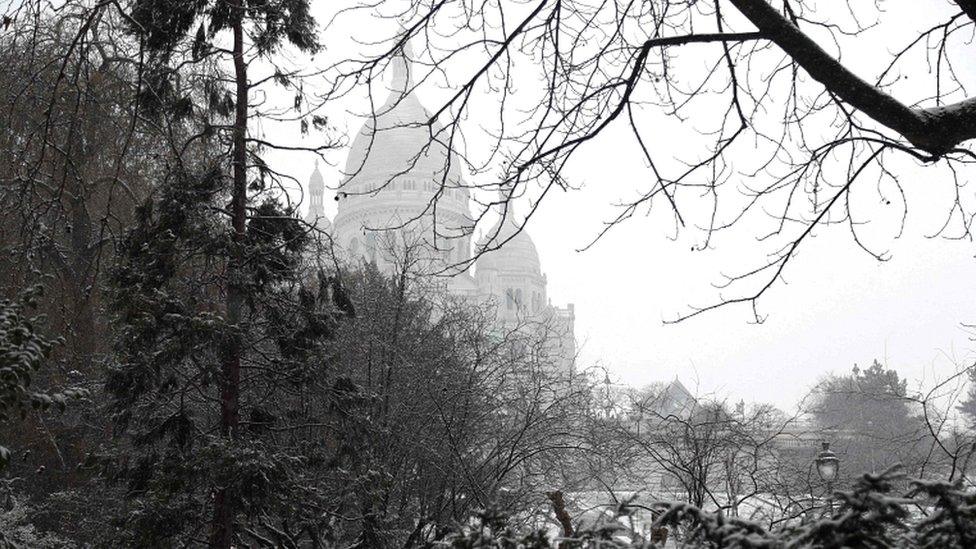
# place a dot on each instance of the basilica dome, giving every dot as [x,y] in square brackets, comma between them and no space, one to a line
[397,162]
[517,254]
[399,150]
[512,274]
[403,189]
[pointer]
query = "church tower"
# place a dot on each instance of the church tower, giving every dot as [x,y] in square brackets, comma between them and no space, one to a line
[316,204]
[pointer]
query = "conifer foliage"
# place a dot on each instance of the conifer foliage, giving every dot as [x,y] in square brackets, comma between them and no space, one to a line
[208,394]
[172,457]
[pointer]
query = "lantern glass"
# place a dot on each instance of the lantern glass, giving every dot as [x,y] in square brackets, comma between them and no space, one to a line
[827,463]
[827,469]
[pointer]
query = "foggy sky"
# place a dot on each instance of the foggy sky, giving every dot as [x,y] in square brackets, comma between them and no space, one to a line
[841,306]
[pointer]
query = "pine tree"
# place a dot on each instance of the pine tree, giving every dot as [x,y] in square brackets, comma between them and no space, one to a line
[212,391]
[174,457]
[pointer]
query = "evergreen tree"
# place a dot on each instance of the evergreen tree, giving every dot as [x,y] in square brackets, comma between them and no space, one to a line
[212,390]
[870,422]
[175,461]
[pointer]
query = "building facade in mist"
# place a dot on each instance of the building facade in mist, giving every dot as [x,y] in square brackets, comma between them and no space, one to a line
[402,204]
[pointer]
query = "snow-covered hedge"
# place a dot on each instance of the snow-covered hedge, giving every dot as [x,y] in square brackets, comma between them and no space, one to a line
[933,514]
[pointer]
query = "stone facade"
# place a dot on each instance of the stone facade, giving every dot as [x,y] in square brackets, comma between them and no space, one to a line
[403,201]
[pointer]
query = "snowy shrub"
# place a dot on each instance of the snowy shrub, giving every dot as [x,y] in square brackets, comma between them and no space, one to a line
[933,514]
[23,350]
[16,529]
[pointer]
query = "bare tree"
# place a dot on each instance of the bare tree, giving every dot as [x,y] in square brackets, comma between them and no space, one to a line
[788,131]
[74,160]
[445,412]
[699,450]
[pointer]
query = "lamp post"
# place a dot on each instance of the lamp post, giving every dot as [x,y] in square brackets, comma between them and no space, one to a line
[827,467]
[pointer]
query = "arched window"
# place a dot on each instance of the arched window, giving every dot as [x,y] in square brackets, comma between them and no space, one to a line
[354,246]
[518,297]
[510,299]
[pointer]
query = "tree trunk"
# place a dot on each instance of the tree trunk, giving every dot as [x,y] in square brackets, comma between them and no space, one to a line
[81,280]
[224,503]
[559,507]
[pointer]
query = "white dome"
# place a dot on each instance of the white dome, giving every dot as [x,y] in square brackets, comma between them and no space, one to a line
[511,274]
[395,169]
[517,254]
[395,165]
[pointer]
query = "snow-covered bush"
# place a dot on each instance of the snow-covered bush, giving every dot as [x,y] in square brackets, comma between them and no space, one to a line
[931,515]
[23,350]
[16,529]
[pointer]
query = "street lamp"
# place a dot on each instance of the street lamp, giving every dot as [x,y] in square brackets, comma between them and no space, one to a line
[827,467]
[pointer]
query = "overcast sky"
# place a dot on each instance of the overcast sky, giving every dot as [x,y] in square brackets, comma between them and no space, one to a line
[840,308]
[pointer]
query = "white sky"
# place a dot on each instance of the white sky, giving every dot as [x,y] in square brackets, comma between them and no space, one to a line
[841,307]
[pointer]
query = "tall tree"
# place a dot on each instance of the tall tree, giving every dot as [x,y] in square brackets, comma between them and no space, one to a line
[252,263]
[76,160]
[181,471]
